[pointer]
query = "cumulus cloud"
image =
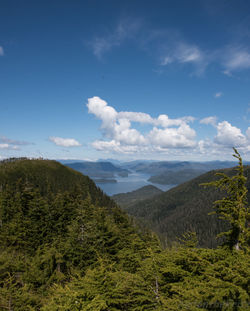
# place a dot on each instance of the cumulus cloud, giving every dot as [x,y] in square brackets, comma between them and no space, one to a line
[181,137]
[118,128]
[209,120]
[64,142]
[228,135]
[1,51]
[166,135]
[140,117]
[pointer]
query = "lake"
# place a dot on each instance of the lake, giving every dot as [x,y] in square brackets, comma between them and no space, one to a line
[133,182]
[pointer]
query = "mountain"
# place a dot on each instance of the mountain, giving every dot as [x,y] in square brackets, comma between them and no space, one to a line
[98,169]
[185,207]
[160,167]
[55,223]
[176,178]
[129,198]
[64,245]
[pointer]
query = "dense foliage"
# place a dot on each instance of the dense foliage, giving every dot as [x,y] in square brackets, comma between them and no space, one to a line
[128,199]
[186,208]
[65,246]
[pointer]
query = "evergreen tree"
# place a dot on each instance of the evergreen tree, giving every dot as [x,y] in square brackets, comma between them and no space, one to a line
[233,207]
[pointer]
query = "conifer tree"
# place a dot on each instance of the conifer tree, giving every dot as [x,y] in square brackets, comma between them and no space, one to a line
[233,207]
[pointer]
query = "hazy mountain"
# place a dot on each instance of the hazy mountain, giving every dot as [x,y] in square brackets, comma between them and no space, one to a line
[98,169]
[156,168]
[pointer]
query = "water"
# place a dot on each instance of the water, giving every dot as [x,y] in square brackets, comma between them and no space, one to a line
[126,184]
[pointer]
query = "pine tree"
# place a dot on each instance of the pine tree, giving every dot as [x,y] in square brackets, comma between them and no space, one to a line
[233,207]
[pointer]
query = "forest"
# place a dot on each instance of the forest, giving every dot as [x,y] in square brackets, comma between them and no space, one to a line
[66,246]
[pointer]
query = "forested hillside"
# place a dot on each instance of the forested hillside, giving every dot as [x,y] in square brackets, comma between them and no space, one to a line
[183,208]
[65,246]
[129,198]
[176,178]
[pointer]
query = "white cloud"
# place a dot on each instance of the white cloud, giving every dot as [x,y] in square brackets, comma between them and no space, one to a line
[237,59]
[167,60]
[248,133]
[184,53]
[64,142]
[209,120]
[126,29]
[218,94]
[4,139]
[8,147]
[4,146]
[1,51]
[188,53]
[115,146]
[181,137]
[227,73]
[117,127]
[140,117]
[165,136]
[228,135]
[11,144]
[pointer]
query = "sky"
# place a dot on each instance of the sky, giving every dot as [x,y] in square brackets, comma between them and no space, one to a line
[163,79]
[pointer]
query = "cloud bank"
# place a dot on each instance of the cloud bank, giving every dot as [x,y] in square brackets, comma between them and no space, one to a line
[119,134]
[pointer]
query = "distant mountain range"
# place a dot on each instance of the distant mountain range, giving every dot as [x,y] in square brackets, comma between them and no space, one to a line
[98,169]
[160,172]
[176,177]
[155,168]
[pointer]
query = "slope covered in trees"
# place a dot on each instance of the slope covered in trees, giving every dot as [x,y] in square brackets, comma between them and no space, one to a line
[183,208]
[65,246]
[55,222]
[176,178]
[129,198]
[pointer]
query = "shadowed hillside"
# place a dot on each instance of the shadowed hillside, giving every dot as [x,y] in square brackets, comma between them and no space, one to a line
[184,208]
[129,198]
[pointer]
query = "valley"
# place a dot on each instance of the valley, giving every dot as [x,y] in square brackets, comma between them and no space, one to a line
[66,245]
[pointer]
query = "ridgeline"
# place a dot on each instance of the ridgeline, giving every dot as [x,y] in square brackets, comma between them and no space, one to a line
[65,245]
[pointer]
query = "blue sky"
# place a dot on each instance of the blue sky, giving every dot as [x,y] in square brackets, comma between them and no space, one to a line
[167,80]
